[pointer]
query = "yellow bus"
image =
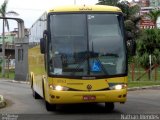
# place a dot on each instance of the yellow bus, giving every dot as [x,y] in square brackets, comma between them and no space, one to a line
[78,54]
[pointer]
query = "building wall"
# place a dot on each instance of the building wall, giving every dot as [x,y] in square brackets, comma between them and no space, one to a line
[144,3]
[154,3]
[8,39]
[149,3]
[9,49]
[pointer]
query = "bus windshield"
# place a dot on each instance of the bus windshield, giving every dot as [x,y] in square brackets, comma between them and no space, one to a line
[86,45]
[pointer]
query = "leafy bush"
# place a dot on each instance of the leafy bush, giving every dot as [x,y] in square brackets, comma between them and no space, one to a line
[148,44]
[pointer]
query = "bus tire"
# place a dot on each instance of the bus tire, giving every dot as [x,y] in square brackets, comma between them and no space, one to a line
[109,106]
[50,107]
[43,89]
[35,94]
[31,80]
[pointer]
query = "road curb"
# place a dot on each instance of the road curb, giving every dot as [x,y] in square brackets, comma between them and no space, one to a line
[23,82]
[15,81]
[144,87]
[2,102]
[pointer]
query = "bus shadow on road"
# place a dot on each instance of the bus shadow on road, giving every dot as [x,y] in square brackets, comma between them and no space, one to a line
[84,108]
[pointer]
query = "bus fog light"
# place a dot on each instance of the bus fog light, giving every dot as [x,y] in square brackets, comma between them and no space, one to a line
[51,86]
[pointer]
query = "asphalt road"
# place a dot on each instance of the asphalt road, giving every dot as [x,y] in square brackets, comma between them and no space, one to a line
[141,104]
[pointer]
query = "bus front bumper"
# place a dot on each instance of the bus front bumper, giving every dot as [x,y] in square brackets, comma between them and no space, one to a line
[65,97]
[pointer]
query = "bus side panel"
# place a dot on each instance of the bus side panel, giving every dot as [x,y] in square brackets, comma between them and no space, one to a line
[35,58]
[36,68]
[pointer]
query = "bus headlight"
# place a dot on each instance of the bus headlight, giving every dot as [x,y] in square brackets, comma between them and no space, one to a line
[58,88]
[118,86]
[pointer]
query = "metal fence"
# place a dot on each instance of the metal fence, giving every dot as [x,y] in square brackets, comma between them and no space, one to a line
[137,73]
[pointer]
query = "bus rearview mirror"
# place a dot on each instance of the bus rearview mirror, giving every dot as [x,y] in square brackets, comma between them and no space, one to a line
[42,45]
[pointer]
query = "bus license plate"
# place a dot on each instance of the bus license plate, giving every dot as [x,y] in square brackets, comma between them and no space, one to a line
[89,97]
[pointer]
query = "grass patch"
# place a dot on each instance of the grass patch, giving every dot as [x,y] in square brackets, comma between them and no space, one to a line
[9,75]
[139,72]
[142,83]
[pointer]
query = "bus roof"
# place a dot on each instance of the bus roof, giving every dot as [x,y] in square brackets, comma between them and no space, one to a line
[85,8]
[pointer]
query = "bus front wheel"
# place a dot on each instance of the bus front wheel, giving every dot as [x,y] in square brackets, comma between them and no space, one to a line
[50,107]
[109,106]
[35,94]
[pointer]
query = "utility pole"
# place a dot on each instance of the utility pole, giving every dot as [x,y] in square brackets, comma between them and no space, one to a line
[74,2]
[150,68]
[3,50]
[8,62]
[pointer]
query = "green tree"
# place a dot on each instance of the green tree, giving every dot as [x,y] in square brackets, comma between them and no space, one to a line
[153,15]
[3,13]
[131,17]
[108,2]
[130,13]
[148,44]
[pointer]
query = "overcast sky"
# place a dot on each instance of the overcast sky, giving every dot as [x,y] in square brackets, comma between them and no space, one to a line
[31,10]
